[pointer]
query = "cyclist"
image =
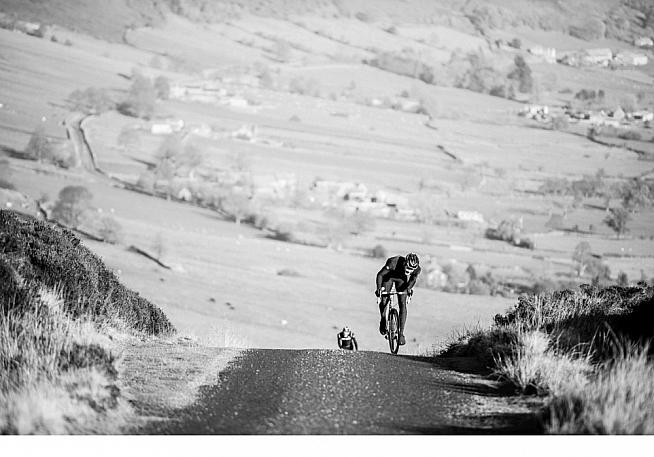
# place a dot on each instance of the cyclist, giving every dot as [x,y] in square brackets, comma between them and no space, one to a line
[346,339]
[403,273]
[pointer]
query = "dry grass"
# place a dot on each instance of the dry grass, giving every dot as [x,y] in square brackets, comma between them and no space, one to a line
[584,350]
[534,367]
[618,400]
[57,374]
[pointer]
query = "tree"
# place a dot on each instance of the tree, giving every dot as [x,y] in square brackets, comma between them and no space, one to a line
[140,98]
[72,204]
[174,158]
[5,175]
[109,229]
[623,279]
[617,220]
[91,100]
[38,147]
[581,257]
[522,74]
[159,246]
[162,87]
[237,205]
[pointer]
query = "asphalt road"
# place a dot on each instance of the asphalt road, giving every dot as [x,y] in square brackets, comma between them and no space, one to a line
[339,392]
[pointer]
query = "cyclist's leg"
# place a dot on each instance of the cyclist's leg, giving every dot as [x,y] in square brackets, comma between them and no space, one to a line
[382,306]
[401,301]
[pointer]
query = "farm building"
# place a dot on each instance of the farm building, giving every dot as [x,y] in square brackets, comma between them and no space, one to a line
[547,54]
[630,58]
[597,56]
[643,42]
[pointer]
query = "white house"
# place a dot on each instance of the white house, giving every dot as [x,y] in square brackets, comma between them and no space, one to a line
[643,42]
[161,129]
[597,56]
[645,116]
[547,54]
[631,58]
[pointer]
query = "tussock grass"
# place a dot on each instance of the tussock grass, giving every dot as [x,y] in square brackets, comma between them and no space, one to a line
[57,374]
[619,399]
[586,350]
[534,367]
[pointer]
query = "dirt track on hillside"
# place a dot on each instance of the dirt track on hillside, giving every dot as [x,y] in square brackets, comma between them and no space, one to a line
[336,392]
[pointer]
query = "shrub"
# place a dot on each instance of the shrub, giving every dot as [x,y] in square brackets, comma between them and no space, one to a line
[630,135]
[515,43]
[288,272]
[379,252]
[404,63]
[304,86]
[617,220]
[72,205]
[478,287]
[37,251]
[92,100]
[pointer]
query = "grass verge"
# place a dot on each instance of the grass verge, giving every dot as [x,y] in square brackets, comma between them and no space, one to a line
[586,351]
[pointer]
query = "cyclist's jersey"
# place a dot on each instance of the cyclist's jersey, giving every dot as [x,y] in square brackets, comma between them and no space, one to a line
[394,269]
[346,341]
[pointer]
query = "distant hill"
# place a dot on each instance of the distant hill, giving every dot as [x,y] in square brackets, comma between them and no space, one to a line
[586,19]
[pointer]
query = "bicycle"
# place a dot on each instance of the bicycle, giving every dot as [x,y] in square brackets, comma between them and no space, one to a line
[392,316]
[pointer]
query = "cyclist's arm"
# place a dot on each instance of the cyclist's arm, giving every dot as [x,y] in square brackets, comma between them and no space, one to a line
[381,273]
[413,279]
[354,341]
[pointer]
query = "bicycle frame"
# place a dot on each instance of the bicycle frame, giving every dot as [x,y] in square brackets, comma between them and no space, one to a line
[392,304]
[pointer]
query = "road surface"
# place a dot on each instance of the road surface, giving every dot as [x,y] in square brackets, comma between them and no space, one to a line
[338,392]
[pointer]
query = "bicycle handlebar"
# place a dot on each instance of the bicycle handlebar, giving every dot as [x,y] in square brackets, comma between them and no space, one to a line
[393,293]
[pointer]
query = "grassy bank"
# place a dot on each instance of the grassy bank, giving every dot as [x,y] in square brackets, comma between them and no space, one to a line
[586,351]
[61,310]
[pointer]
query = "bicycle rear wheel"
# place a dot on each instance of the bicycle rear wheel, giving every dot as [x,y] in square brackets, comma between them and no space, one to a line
[393,331]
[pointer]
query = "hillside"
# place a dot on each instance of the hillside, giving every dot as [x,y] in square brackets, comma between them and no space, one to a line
[623,19]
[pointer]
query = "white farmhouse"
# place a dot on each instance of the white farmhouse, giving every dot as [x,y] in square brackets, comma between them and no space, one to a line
[643,42]
[597,56]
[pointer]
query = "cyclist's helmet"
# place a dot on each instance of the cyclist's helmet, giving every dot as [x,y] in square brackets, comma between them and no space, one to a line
[346,330]
[412,261]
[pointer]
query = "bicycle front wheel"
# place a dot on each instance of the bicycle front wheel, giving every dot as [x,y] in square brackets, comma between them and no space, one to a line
[393,331]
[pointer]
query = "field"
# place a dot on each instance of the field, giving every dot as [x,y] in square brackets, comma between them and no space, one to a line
[322,112]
